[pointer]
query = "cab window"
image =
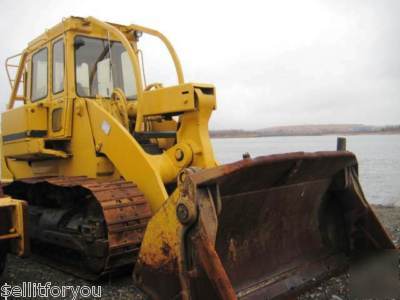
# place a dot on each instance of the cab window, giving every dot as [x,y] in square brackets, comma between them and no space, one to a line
[39,75]
[101,66]
[58,67]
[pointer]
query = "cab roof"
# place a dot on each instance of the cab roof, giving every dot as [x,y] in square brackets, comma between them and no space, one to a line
[78,24]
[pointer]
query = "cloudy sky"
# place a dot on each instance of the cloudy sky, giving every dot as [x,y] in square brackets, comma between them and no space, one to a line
[273,62]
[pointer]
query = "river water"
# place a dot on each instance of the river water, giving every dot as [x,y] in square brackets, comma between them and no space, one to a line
[378,157]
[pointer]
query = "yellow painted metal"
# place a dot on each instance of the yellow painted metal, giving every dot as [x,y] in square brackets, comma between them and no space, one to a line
[30,149]
[194,127]
[160,126]
[30,117]
[84,160]
[99,126]
[16,212]
[168,100]
[129,158]
[163,229]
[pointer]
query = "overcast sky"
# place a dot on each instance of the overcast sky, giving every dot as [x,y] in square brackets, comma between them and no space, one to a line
[273,62]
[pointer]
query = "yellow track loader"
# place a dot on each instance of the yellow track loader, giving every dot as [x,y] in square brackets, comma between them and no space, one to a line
[120,172]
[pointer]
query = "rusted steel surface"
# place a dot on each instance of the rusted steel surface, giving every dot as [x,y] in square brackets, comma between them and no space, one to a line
[288,221]
[284,165]
[116,210]
[211,263]
[267,228]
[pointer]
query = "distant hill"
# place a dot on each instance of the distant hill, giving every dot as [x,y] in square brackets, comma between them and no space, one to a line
[301,130]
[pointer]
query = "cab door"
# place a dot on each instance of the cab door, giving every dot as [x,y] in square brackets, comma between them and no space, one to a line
[59,126]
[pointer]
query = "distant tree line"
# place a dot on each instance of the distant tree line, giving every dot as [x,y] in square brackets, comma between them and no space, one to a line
[391,128]
[299,130]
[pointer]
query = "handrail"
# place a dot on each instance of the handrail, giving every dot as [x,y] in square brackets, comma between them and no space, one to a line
[177,63]
[7,65]
[167,43]
[17,81]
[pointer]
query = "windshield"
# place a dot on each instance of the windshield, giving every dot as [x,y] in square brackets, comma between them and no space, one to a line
[102,66]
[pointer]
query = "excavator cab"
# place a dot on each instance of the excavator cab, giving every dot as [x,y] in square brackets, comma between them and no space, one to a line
[118,170]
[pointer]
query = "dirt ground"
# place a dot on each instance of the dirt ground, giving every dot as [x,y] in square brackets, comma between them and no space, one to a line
[121,288]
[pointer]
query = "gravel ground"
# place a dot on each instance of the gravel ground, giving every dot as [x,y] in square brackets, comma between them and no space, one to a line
[121,288]
[28,270]
[337,287]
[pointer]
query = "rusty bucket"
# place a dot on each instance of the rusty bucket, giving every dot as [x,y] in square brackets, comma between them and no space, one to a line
[283,223]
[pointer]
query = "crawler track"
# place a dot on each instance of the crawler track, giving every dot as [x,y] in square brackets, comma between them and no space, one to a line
[88,227]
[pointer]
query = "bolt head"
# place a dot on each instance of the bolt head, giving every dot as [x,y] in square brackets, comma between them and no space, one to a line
[179,155]
[182,212]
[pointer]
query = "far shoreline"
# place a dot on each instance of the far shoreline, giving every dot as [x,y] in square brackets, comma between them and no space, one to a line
[217,135]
